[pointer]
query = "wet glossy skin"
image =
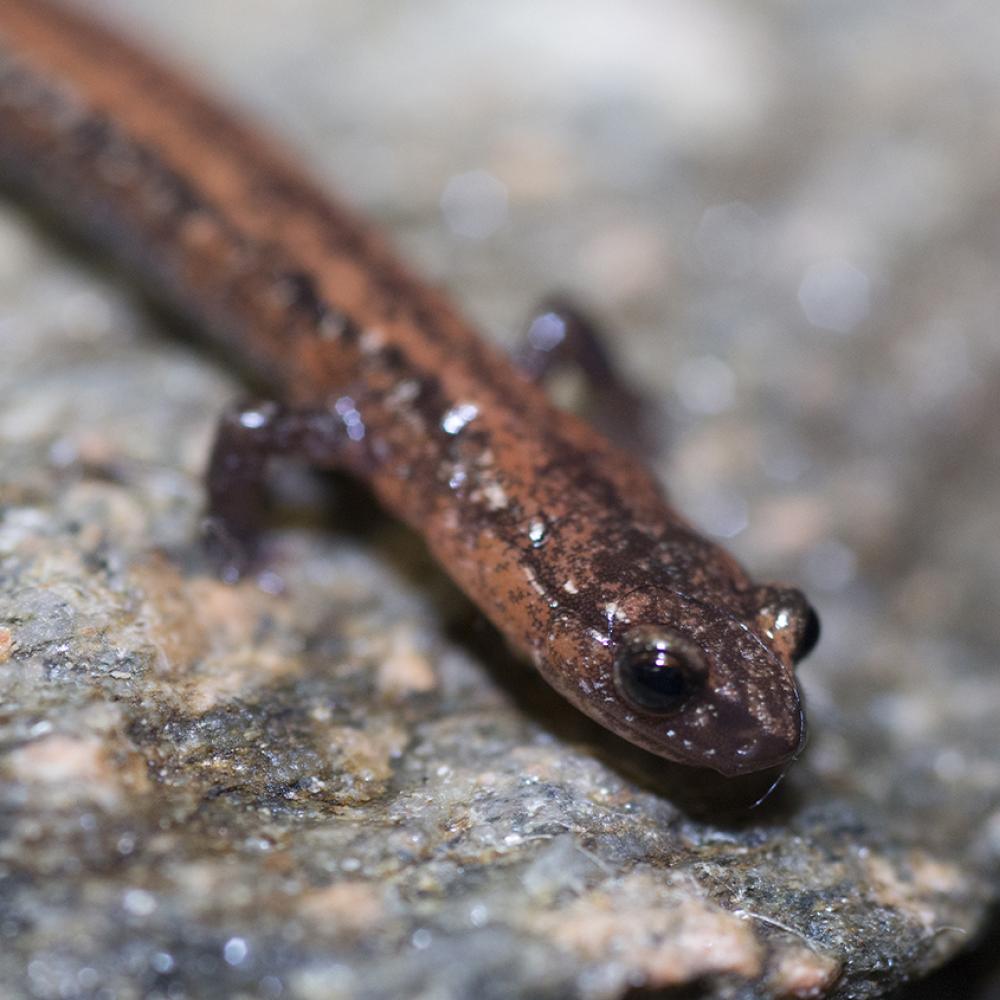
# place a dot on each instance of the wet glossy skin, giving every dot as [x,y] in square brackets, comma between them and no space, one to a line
[565,542]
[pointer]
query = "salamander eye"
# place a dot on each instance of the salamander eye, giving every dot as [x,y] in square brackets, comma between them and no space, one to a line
[657,670]
[788,620]
[809,635]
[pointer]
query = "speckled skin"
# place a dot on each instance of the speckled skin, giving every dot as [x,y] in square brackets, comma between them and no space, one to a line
[562,540]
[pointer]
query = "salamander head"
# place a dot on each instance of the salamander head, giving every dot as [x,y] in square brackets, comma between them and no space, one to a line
[695,683]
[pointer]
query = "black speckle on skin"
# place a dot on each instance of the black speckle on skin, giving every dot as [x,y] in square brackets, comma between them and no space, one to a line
[431,403]
[350,333]
[393,359]
[92,135]
[181,196]
[299,292]
[96,138]
[302,295]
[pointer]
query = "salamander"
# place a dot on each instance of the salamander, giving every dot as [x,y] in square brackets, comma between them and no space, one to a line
[565,541]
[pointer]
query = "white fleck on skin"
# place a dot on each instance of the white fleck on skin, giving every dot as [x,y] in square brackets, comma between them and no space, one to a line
[570,587]
[372,340]
[702,717]
[459,417]
[727,690]
[331,327]
[614,613]
[536,531]
[257,417]
[494,495]
[598,636]
[402,393]
[529,574]
[458,477]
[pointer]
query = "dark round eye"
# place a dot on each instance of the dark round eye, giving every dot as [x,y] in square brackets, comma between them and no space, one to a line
[657,670]
[787,620]
[809,635]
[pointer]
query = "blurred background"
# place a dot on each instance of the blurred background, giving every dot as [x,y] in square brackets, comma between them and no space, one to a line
[788,218]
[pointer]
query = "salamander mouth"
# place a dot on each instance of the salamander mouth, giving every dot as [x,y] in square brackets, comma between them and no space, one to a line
[758,747]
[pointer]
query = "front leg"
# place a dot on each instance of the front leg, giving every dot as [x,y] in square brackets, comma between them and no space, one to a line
[561,338]
[248,436]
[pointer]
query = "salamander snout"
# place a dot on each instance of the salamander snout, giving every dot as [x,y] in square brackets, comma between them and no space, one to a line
[690,681]
[697,701]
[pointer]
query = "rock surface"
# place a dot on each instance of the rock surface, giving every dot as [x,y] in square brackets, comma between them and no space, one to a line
[328,781]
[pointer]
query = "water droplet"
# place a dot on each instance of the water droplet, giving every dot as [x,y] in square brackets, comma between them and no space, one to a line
[459,417]
[536,532]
